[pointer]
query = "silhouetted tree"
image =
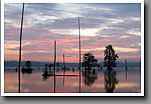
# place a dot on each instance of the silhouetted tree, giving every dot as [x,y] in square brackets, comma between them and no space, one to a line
[89,60]
[27,70]
[28,64]
[110,57]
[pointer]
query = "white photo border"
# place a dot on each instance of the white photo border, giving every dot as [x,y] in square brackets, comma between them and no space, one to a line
[72,94]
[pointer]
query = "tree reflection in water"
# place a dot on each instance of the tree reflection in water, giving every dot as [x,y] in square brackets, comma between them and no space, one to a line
[110,80]
[27,71]
[89,77]
[46,74]
[45,78]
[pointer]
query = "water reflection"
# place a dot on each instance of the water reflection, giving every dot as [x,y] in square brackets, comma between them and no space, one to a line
[110,80]
[46,74]
[89,77]
[27,70]
[126,74]
[92,81]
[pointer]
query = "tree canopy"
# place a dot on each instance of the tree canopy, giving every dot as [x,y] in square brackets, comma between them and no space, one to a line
[28,64]
[110,57]
[89,60]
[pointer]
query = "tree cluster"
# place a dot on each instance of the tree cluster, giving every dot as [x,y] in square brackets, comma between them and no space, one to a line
[110,58]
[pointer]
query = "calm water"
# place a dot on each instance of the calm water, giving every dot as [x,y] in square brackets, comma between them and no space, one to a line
[97,81]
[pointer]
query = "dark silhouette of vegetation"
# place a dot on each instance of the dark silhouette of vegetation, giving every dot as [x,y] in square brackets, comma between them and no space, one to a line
[89,77]
[72,69]
[125,64]
[99,66]
[28,64]
[89,60]
[45,77]
[57,64]
[46,74]
[28,69]
[110,80]
[46,65]
[50,65]
[110,57]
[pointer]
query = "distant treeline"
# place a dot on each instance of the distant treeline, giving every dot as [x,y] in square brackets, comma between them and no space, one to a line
[42,64]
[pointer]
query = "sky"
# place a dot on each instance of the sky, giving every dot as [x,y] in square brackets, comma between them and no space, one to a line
[113,24]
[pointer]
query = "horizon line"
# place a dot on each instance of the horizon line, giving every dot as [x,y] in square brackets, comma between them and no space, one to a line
[66,62]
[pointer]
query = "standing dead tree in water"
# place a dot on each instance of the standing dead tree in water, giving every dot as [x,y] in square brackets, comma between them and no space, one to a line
[79,56]
[110,57]
[20,48]
[54,66]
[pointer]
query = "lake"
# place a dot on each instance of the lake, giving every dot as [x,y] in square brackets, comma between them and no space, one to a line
[94,81]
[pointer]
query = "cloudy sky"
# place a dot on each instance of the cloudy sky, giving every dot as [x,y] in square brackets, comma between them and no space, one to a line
[101,25]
